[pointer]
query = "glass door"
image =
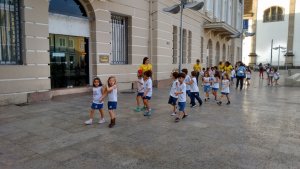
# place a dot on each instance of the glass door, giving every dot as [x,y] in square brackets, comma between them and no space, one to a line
[69,63]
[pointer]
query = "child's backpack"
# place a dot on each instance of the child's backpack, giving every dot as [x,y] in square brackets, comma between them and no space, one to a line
[241,71]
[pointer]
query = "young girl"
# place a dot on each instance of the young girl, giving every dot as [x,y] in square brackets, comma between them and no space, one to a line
[97,101]
[248,76]
[181,93]
[147,92]
[187,82]
[225,89]
[173,97]
[276,76]
[206,85]
[216,83]
[194,90]
[112,99]
[140,90]
[271,74]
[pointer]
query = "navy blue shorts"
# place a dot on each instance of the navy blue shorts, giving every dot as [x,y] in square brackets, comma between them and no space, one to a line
[97,106]
[224,93]
[172,100]
[140,94]
[112,105]
[181,106]
[215,89]
[147,98]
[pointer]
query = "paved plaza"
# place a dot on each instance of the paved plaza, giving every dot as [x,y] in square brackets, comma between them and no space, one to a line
[260,129]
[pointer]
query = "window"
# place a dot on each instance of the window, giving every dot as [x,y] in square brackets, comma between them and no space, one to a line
[119,39]
[190,47]
[175,38]
[202,54]
[273,14]
[62,42]
[10,50]
[184,46]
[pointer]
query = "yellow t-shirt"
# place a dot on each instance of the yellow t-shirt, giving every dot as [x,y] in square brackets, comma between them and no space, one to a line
[221,67]
[146,67]
[228,69]
[197,67]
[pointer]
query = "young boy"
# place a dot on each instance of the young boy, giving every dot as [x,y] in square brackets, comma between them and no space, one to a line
[147,92]
[194,90]
[140,90]
[187,81]
[173,97]
[181,93]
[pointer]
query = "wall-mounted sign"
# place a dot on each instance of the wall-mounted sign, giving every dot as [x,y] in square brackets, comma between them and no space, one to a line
[58,54]
[104,58]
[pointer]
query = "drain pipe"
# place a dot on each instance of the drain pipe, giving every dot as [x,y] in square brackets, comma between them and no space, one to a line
[150,30]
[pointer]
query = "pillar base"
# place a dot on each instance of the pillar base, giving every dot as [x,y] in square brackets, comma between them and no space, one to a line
[289,59]
[252,59]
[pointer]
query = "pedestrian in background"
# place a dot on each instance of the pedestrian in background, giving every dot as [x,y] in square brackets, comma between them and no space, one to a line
[197,69]
[240,75]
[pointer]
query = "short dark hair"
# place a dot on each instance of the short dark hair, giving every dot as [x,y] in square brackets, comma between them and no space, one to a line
[194,73]
[197,60]
[145,59]
[182,75]
[97,78]
[148,73]
[185,71]
[175,75]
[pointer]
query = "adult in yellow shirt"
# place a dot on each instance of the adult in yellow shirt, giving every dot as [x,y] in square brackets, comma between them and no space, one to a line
[197,68]
[228,68]
[146,65]
[221,66]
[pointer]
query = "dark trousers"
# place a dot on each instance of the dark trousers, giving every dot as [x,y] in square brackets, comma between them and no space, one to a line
[197,77]
[239,79]
[195,95]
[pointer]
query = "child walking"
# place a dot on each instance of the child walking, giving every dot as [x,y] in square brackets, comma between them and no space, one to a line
[248,76]
[271,74]
[232,76]
[187,81]
[147,92]
[206,85]
[181,93]
[225,89]
[97,103]
[216,84]
[276,76]
[173,97]
[140,90]
[194,90]
[112,93]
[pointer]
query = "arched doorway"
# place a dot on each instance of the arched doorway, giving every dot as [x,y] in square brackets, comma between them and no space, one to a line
[224,53]
[217,53]
[69,39]
[210,56]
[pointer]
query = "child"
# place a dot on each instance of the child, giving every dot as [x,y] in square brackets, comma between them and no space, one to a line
[187,82]
[276,76]
[140,90]
[271,74]
[194,90]
[173,97]
[232,76]
[248,76]
[216,83]
[225,89]
[147,92]
[206,85]
[97,101]
[112,99]
[181,93]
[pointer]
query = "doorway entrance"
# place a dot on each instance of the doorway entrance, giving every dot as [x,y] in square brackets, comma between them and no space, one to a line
[69,61]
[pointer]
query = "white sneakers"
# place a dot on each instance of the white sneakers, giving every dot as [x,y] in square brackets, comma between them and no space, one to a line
[90,121]
[173,114]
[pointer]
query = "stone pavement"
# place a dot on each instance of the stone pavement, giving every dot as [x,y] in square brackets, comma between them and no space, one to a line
[260,129]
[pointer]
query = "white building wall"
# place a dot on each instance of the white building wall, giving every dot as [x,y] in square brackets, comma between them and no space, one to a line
[297,35]
[278,31]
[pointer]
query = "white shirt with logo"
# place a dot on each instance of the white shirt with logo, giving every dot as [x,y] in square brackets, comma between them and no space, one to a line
[97,94]
[174,88]
[187,80]
[182,96]
[148,85]
[113,95]
[194,86]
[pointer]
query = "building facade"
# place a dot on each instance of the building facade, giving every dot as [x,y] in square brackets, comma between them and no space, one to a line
[53,47]
[276,25]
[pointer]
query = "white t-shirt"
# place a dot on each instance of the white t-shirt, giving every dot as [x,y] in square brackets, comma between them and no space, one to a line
[225,86]
[216,83]
[174,88]
[194,86]
[113,95]
[271,73]
[182,96]
[187,80]
[148,85]
[276,75]
[248,75]
[97,94]
[206,81]
[233,73]
[140,85]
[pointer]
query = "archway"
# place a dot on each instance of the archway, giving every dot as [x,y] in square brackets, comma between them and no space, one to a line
[70,25]
[217,53]
[210,55]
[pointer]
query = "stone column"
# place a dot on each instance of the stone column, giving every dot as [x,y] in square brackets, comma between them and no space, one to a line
[289,55]
[253,54]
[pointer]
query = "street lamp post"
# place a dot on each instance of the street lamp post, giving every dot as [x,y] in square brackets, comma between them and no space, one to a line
[179,8]
[279,47]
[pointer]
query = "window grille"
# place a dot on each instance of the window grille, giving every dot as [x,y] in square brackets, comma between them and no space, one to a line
[273,14]
[119,40]
[175,38]
[190,47]
[184,46]
[10,52]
